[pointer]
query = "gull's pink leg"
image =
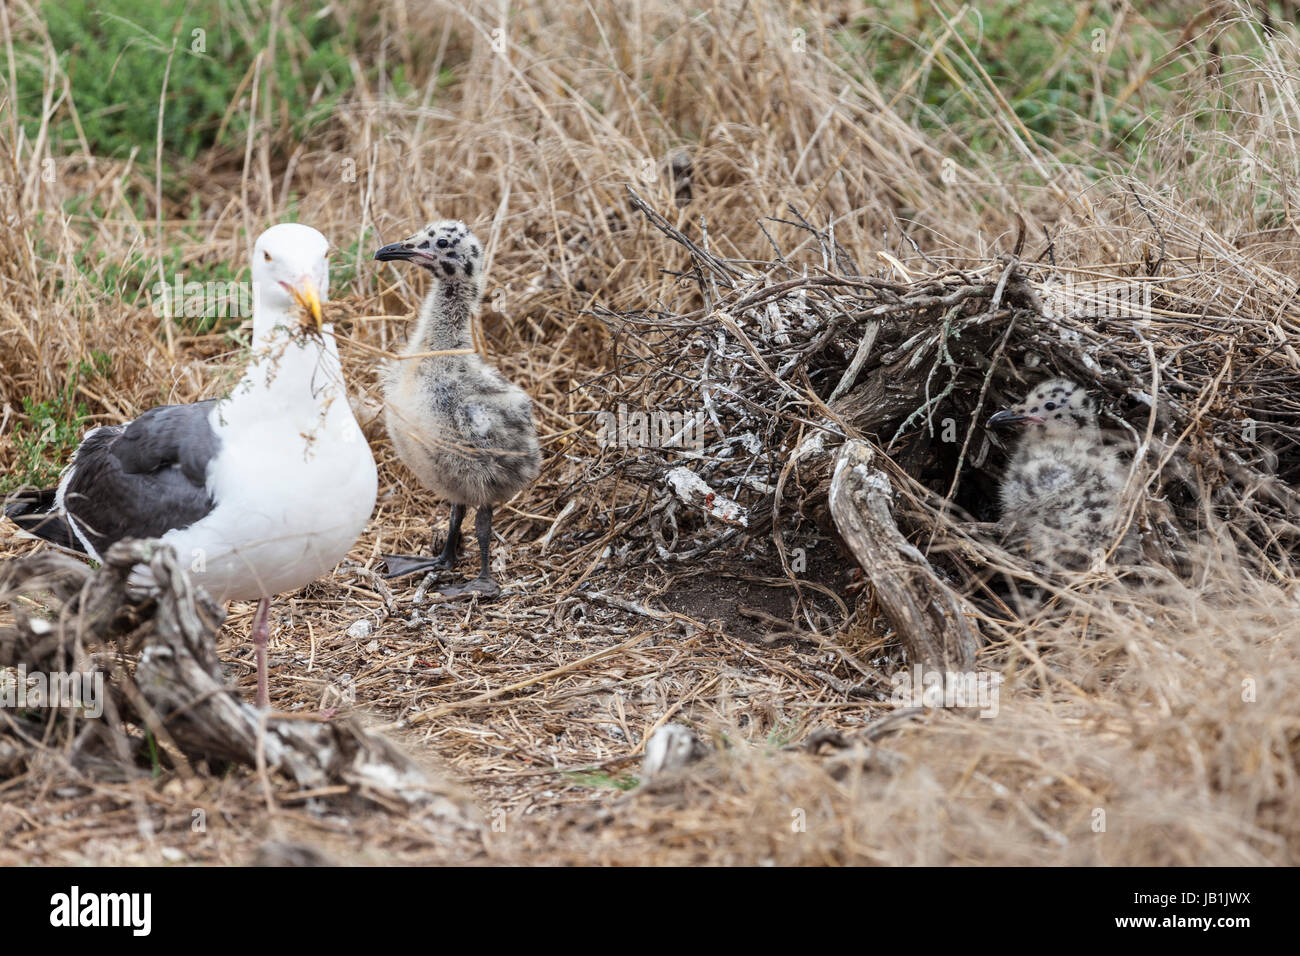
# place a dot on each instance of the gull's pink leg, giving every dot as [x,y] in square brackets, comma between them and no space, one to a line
[261,626]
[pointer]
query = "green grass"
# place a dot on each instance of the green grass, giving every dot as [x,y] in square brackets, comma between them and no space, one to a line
[116,54]
[133,281]
[783,733]
[344,269]
[155,762]
[1064,80]
[600,779]
[48,432]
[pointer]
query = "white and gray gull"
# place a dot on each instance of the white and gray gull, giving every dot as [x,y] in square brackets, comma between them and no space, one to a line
[1062,491]
[465,431]
[260,492]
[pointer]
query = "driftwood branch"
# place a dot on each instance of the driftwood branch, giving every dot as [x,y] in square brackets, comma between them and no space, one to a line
[925,612]
[177,688]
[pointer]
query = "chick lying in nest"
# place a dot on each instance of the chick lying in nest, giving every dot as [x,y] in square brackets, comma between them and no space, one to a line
[1063,489]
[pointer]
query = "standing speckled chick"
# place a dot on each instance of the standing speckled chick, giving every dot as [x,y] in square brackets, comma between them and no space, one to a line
[1062,490]
[465,431]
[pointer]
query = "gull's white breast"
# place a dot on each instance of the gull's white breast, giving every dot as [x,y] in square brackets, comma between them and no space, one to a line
[294,490]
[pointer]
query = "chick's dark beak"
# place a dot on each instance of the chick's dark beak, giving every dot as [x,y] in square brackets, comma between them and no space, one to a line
[394,251]
[1011,416]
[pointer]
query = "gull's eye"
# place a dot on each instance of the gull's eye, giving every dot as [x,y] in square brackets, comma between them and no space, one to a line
[266,255]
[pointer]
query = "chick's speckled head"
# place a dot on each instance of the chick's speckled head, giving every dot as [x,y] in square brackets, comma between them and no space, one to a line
[1058,405]
[447,249]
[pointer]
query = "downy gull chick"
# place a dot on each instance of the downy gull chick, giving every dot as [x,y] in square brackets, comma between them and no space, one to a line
[1062,491]
[465,431]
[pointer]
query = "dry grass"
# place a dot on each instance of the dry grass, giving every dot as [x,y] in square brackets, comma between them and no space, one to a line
[1131,705]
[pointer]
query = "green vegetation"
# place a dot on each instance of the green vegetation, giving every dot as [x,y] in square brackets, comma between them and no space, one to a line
[344,263]
[48,432]
[784,733]
[1066,71]
[155,762]
[598,778]
[117,54]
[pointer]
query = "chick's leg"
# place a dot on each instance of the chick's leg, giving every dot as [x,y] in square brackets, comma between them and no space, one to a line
[483,584]
[400,565]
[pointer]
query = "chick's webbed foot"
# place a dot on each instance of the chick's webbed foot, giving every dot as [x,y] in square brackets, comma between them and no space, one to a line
[483,587]
[400,565]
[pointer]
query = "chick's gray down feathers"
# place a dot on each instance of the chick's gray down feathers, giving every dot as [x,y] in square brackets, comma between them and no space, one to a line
[1062,491]
[465,431]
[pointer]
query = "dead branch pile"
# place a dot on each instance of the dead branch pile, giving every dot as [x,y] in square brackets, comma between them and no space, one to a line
[787,359]
[164,697]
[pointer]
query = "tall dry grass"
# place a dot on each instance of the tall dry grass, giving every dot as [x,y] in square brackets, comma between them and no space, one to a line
[1163,710]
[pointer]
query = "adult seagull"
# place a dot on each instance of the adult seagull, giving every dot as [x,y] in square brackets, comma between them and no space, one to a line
[260,492]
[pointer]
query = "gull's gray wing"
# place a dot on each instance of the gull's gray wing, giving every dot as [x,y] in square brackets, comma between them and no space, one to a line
[138,480]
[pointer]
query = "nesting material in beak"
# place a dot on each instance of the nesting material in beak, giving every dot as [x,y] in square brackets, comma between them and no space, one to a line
[305,295]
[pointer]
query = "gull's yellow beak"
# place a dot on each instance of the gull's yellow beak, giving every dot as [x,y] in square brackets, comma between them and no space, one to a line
[305,294]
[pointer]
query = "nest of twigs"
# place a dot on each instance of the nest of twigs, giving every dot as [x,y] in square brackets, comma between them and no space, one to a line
[127,684]
[789,358]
